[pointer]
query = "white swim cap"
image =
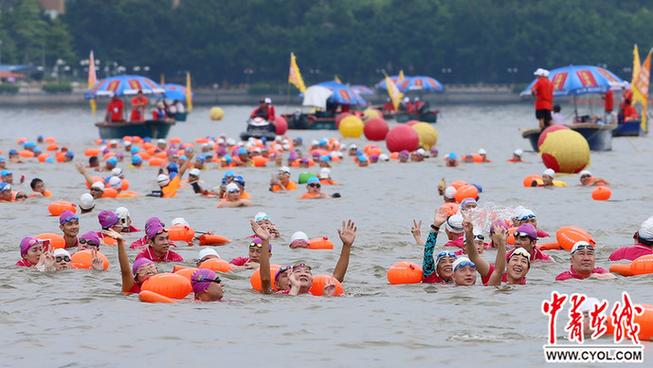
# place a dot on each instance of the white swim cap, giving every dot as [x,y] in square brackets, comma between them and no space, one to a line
[518,152]
[60,252]
[98,185]
[450,192]
[482,151]
[179,221]
[86,201]
[163,180]
[161,141]
[116,172]
[384,157]
[115,182]
[585,173]
[325,173]
[194,172]
[646,230]
[261,216]
[549,172]
[122,212]
[284,169]
[232,187]
[299,235]
[205,252]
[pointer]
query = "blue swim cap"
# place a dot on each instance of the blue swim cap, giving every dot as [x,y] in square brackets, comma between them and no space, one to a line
[5,173]
[37,150]
[183,158]
[478,187]
[200,158]
[49,160]
[452,156]
[71,154]
[136,160]
[29,144]
[112,161]
[135,149]
[323,142]
[39,137]
[3,185]
[362,158]
[242,151]
[312,180]
[3,159]
[325,158]
[12,152]
[227,158]
[173,167]
[229,173]
[240,180]
[147,139]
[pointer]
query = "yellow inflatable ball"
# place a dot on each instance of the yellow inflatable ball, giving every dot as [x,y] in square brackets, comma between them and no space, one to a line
[565,151]
[351,127]
[428,135]
[371,113]
[216,113]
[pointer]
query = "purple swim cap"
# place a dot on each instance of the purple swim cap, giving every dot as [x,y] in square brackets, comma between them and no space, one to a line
[201,280]
[140,263]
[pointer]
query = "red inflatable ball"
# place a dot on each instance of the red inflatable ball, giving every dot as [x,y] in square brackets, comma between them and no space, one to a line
[548,130]
[412,122]
[402,137]
[376,129]
[280,125]
[340,117]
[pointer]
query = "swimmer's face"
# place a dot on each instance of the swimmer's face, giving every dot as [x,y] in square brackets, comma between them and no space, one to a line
[465,276]
[451,235]
[255,253]
[284,177]
[145,272]
[452,162]
[300,243]
[585,179]
[416,157]
[39,187]
[364,163]
[479,245]
[283,282]
[8,178]
[212,294]
[34,253]
[547,180]
[160,243]
[233,196]
[515,157]
[518,266]
[324,164]
[445,271]
[313,188]
[62,263]
[524,242]
[403,158]
[96,193]
[70,228]
[583,261]
[5,196]
[117,227]
[304,275]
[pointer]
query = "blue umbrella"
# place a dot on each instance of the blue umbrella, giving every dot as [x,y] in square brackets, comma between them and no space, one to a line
[362,90]
[175,92]
[381,84]
[123,85]
[343,94]
[575,80]
[420,83]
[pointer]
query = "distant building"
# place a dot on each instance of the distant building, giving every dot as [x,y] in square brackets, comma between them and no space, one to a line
[53,8]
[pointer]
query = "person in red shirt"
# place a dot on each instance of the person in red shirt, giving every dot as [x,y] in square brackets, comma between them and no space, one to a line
[543,92]
[643,244]
[139,103]
[265,110]
[608,103]
[388,106]
[583,264]
[115,110]
[252,261]
[158,249]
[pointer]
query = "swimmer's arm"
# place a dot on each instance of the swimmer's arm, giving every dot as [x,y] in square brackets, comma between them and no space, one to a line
[428,264]
[82,171]
[125,271]
[500,261]
[186,165]
[347,234]
[264,260]
[482,266]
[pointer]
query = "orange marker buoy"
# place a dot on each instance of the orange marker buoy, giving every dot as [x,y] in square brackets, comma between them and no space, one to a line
[52,147]
[168,284]
[255,278]
[466,191]
[259,161]
[108,155]
[84,260]
[477,158]
[320,243]
[404,273]
[531,181]
[109,193]
[155,161]
[26,154]
[458,184]
[549,246]
[147,296]
[42,157]
[175,140]
[644,320]
[601,193]
[187,272]
[125,185]
[216,265]
[162,155]
[56,240]
[181,233]
[90,152]
[56,208]
[127,194]
[567,236]
[50,140]
[319,281]
[641,266]
[212,239]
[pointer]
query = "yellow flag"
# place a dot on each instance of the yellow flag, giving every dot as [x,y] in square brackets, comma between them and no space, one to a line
[393,92]
[92,79]
[162,79]
[337,79]
[639,86]
[189,94]
[401,76]
[294,75]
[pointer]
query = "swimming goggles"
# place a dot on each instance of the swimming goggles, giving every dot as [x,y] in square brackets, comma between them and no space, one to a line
[479,237]
[315,185]
[522,235]
[255,245]
[60,258]
[91,243]
[234,191]
[281,270]
[583,246]
[443,254]
[527,217]
[465,264]
[301,265]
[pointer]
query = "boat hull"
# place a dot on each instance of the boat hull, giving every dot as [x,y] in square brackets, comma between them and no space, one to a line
[427,117]
[310,122]
[629,129]
[149,128]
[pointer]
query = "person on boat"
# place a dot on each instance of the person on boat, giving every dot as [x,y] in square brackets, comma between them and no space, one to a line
[207,286]
[557,117]
[139,104]
[158,245]
[516,156]
[608,102]
[179,107]
[543,92]
[421,107]
[159,113]
[643,244]
[547,177]
[38,188]
[69,226]
[526,237]
[406,105]
[281,181]
[583,264]
[313,189]
[115,110]
[86,203]
[232,198]
[264,110]
[388,106]
[587,179]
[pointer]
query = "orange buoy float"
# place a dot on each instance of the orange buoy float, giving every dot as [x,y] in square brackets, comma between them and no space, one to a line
[175,140]
[259,161]
[202,140]
[531,181]
[125,185]
[216,265]
[90,152]
[168,284]
[56,241]
[147,296]
[84,260]
[60,156]
[549,246]
[255,279]
[450,208]
[156,161]
[320,243]
[127,194]
[320,281]
[56,208]
[21,140]
[212,239]
[567,236]
[187,272]
[52,147]
[109,241]
[162,155]
[477,159]
[644,320]
[42,157]
[176,268]
[466,191]
[458,184]
[404,273]
[641,266]
[50,140]
[181,233]
[601,193]
[26,154]
[109,193]
[108,155]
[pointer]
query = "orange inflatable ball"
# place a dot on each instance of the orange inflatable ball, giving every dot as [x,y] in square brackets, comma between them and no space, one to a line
[255,279]
[187,272]
[90,152]
[458,184]
[320,281]
[320,243]
[168,284]
[84,260]
[147,296]
[212,239]
[601,193]
[467,191]
[567,236]
[56,208]
[56,240]
[404,273]
[532,181]
[644,320]
[181,233]
[216,264]
[162,155]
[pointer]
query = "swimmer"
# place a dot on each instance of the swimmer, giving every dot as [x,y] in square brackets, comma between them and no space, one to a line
[586,179]
[325,161]
[254,255]
[517,156]
[454,229]
[62,260]
[69,225]
[38,187]
[32,252]
[353,150]
[205,254]
[93,163]
[583,264]
[263,220]
[298,239]
[643,244]
[115,183]
[526,237]
[125,220]
[197,184]
[281,181]
[137,161]
[207,286]
[527,216]
[468,204]
[14,158]
[3,163]
[168,187]
[89,240]
[232,198]
[547,177]
[483,153]
[134,276]
[440,270]
[299,276]
[451,160]
[8,195]
[161,145]
[240,181]
[403,156]
[109,220]
[363,161]
[313,189]
[158,245]
[325,176]
[86,203]
[110,164]
[464,271]
[7,176]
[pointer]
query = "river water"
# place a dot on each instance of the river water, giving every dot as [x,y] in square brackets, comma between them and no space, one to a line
[79,318]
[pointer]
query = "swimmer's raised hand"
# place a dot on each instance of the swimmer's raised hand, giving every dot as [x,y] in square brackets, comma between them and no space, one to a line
[347,232]
[499,235]
[440,216]
[416,230]
[97,263]
[113,234]
[260,231]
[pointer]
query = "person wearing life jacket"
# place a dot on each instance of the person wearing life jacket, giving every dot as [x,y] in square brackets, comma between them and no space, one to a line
[281,181]
[583,264]
[388,106]
[264,110]
[643,244]
[313,189]
[586,179]
[543,92]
